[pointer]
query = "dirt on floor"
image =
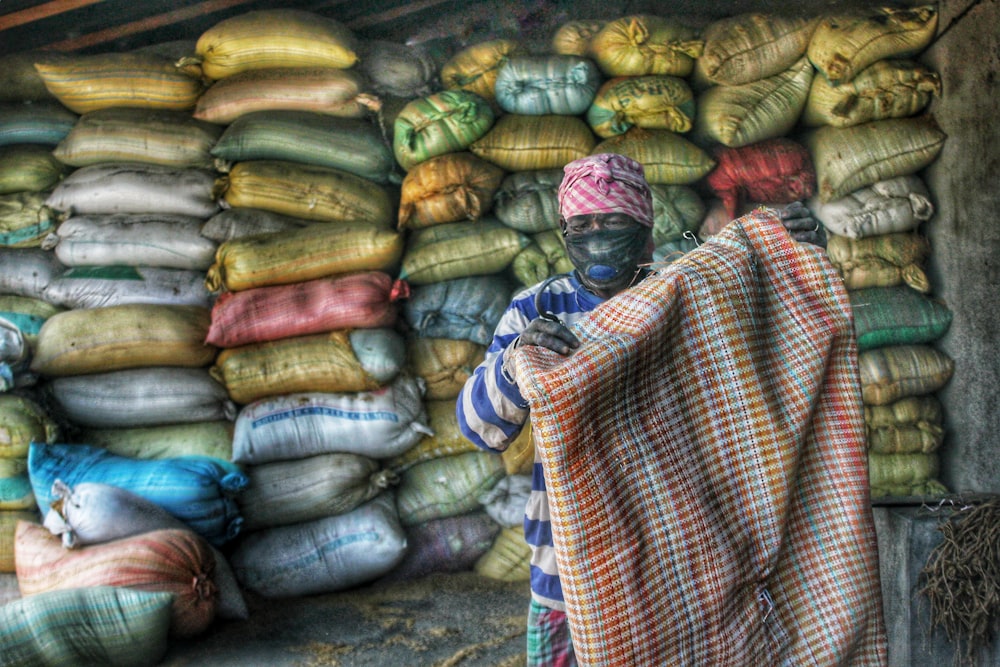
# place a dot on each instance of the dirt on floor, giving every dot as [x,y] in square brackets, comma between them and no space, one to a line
[443,620]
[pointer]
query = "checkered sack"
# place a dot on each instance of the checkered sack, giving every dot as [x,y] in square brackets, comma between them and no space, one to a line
[704,456]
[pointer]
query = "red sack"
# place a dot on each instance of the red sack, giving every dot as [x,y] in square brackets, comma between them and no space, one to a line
[776,171]
[357,301]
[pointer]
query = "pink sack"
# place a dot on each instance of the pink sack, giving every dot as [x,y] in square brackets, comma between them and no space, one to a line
[357,301]
[778,170]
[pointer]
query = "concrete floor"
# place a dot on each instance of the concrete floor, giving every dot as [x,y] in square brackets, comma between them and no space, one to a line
[454,620]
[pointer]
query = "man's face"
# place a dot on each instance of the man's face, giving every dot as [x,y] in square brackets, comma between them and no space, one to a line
[606,249]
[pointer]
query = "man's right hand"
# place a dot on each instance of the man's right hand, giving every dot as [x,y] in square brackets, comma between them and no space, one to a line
[549,334]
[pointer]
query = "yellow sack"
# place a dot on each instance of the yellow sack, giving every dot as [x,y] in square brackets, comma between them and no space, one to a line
[847,159]
[925,439]
[448,188]
[330,91]
[475,68]
[275,38]
[749,47]
[891,472]
[764,109]
[884,89]
[508,559]
[308,192]
[519,142]
[99,340]
[28,168]
[908,411]
[519,457]
[897,371]
[573,37]
[89,83]
[446,441]
[655,101]
[444,364]
[668,158]
[544,257]
[884,260]
[642,44]
[314,251]
[460,249]
[25,220]
[845,44]
[23,421]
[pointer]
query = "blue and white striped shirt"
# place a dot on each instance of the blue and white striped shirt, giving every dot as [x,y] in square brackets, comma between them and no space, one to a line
[492,412]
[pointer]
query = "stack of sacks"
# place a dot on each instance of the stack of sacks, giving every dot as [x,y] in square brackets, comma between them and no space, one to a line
[872,136]
[22,421]
[26,273]
[307,309]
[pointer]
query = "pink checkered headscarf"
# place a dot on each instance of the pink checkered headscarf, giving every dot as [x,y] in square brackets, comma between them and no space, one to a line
[606,183]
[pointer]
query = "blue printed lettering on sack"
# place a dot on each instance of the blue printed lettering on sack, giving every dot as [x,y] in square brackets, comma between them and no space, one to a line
[326,411]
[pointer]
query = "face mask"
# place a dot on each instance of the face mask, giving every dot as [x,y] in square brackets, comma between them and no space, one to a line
[602,257]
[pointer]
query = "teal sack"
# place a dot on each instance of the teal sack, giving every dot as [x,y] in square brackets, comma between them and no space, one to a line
[554,84]
[898,315]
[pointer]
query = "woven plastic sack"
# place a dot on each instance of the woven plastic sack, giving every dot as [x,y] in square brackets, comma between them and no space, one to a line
[446,438]
[318,250]
[667,157]
[475,68]
[677,210]
[466,308]
[86,83]
[403,70]
[23,421]
[45,123]
[446,486]
[239,223]
[528,200]
[326,90]
[27,314]
[208,438]
[846,43]
[313,487]
[752,46]
[325,555]
[140,397]
[198,490]
[897,316]
[93,340]
[881,261]
[439,123]
[884,89]
[275,38]
[545,256]
[509,557]
[92,513]
[150,240]
[755,111]
[305,137]
[172,561]
[444,364]
[448,188]
[459,250]
[28,168]
[901,474]
[775,170]
[517,142]
[8,527]
[644,44]
[100,625]
[137,188]
[116,134]
[847,159]
[891,373]
[118,285]
[658,102]
[506,501]
[339,361]
[572,38]
[16,494]
[547,84]
[25,221]
[377,423]
[907,411]
[27,271]
[919,439]
[898,204]
[19,80]
[365,300]
[451,544]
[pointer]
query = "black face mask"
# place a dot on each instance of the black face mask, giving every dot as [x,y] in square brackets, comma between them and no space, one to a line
[602,257]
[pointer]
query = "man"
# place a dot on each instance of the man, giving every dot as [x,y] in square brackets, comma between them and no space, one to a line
[606,217]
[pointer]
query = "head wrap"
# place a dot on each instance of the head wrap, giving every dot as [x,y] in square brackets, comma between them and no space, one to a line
[606,183]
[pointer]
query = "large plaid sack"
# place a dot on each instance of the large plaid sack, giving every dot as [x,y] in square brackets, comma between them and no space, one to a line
[704,458]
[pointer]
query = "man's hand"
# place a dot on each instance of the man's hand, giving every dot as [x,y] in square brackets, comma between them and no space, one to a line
[800,223]
[549,334]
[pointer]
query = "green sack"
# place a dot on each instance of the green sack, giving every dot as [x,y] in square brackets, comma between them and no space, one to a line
[445,122]
[460,249]
[896,315]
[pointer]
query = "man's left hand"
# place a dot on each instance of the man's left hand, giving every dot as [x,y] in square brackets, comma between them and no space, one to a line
[800,223]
